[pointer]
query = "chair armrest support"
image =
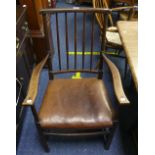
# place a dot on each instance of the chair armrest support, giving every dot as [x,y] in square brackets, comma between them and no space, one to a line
[34,83]
[117,83]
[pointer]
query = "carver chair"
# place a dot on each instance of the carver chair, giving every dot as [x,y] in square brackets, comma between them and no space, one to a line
[74,107]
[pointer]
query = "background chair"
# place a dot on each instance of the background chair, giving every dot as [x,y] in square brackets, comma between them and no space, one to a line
[113,40]
[74,107]
[112,36]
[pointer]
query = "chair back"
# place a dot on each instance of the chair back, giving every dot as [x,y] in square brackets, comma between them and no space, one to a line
[100,18]
[70,25]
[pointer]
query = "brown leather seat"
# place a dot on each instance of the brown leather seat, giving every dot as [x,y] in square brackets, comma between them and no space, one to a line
[80,103]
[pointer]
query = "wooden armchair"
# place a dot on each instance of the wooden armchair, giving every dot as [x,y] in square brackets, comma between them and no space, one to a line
[74,107]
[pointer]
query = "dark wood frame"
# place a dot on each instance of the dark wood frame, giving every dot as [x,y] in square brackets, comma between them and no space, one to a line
[108,131]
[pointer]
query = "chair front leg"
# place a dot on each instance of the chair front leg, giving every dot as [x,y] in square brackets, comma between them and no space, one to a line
[109,137]
[40,131]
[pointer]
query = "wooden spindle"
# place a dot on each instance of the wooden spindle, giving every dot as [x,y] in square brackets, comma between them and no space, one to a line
[83,39]
[75,40]
[103,43]
[58,40]
[66,26]
[92,40]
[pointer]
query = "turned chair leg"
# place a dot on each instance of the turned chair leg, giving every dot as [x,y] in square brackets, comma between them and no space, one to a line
[40,131]
[108,137]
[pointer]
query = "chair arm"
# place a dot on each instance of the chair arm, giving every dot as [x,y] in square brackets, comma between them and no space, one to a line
[112,29]
[34,83]
[117,83]
[123,8]
[129,9]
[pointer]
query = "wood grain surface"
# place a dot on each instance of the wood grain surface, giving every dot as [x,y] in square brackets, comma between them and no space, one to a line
[34,83]
[129,35]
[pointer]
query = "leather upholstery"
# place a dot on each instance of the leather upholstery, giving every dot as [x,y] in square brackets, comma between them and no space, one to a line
[76,103]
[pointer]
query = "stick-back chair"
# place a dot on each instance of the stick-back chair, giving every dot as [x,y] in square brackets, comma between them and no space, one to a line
[74,107]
